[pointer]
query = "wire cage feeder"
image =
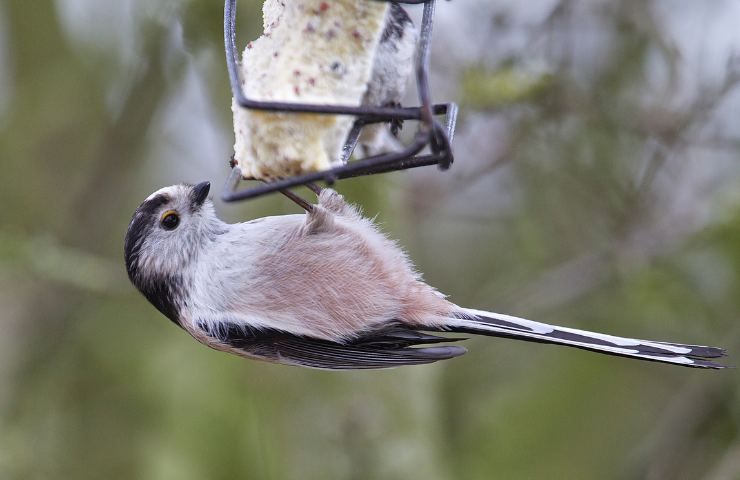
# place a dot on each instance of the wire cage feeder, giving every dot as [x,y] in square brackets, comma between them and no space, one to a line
[431,133]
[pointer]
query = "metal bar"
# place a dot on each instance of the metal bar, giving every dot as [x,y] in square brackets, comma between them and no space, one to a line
[402,160]
[234,178]
[352,139]
[451,123]
[403,164]
[422,64]
[443,137]
[329,176]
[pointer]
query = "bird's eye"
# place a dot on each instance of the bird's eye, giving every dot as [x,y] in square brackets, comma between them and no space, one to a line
[170,220]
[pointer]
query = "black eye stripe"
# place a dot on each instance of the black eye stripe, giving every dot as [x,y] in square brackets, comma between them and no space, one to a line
[153,204]
[142,223]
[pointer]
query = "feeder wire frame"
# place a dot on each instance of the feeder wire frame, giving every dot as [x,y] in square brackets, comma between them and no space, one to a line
[430,133]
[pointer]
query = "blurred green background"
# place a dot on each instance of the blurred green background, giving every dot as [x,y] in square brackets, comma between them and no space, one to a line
[596,186]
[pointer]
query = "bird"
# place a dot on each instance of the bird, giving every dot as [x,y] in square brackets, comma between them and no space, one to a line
[322,289]
[392,67]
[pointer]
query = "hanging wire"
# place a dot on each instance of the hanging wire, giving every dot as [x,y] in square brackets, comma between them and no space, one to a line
[431,133]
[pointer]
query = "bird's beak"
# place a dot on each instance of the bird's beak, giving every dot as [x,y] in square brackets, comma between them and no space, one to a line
[200,193]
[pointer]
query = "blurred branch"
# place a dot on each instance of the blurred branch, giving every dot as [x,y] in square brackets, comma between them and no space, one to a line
[45,257]
[29,51]
[483,90]
[679,434]
[728,466]
[118,152]
[587,272]
[80,229]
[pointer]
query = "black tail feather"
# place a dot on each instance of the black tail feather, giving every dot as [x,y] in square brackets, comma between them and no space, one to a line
[498,325]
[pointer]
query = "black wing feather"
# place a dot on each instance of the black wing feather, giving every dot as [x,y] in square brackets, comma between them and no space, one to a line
[388,347]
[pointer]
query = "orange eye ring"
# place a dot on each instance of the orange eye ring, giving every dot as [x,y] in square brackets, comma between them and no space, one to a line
[170,220]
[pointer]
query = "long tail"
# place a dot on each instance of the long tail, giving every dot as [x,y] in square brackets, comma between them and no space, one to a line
[498,325]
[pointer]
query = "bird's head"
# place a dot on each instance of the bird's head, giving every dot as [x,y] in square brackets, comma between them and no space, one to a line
[167,233]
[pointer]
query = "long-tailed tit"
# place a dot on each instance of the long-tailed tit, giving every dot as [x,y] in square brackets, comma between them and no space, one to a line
[392,67]
[325,289]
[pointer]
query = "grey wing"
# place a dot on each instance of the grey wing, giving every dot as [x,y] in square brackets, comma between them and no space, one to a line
[391,346]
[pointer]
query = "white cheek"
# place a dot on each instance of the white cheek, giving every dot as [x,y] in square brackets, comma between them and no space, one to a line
[164,252]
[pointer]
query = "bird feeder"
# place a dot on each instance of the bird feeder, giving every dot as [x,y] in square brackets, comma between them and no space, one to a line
[431,144]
